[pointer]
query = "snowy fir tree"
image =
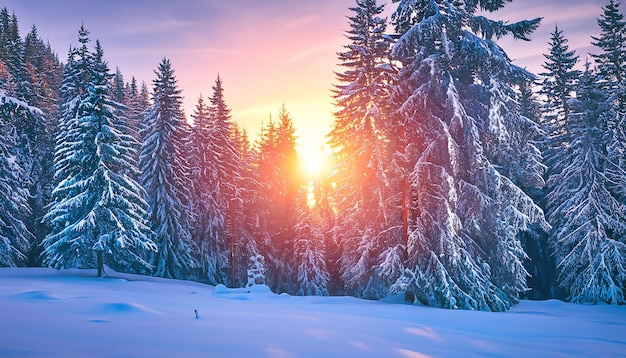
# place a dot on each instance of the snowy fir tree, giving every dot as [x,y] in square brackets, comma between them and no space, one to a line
[208,217]
[359,139]
[585,198]
[462,129]
[247,216]
[225,159]
[118,90]
[256,272]
[311,274]
[558,84]
[589,219]
[611,67]
[164,169]
[37,137]
[278,191]
[30,71]
[557,87]
[15,238]
[138,102]
[98,215]
[611,60]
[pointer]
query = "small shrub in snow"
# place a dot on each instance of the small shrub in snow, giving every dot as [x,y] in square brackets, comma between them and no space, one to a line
[256,273]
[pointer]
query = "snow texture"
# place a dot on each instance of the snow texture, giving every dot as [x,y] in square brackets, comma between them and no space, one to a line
[137,316]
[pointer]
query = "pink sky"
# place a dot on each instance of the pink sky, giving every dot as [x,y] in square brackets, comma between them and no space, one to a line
[267,52]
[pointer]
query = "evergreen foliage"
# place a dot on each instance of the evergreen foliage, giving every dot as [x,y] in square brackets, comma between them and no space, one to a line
[164,169]
[442,159]
[310,255]
[589,219]
[15,238]
[559,79]
[611,61]
[359,140]
[208,228]
[247,215]
[31,72]
[462,139]
[279,191]
[256,272]
[97,208]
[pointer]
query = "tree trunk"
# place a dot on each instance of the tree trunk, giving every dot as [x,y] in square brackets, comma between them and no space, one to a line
[232,241]
[100,263]
[405,214]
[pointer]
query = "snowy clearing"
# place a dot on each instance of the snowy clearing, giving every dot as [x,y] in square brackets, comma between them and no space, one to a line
[45,312]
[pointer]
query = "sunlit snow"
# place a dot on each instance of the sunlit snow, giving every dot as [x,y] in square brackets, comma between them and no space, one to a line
[71,313]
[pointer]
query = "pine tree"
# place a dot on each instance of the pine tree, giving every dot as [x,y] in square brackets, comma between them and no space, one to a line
[247,216]
[138,102]
[15,238]
[460,124]
[208,221]
[278,192]
[98,213]
[119,89]
[225,158]
[163,165]
[611,61]
[22,66]
[311,274]
[558,85]
[265,162]
[359,139]
[560,77]
[14,51]
[256,272]
[34,78]
[589,220]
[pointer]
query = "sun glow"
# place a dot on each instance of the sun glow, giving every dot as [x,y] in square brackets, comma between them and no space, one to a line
[313,161]
[315,168]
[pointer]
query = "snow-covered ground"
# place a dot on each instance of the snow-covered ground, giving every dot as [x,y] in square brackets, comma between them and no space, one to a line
[71,313]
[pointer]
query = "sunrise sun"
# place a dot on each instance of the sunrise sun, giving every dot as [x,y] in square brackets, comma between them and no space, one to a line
[313,161]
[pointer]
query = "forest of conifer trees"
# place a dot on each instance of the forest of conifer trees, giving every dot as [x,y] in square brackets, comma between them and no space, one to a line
[458,178]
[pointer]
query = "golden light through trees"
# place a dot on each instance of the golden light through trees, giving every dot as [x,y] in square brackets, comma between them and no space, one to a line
[315,167]
[312,160]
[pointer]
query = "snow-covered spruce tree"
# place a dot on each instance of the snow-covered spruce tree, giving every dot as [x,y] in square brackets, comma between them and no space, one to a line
[256,272]
[558,84]
[611,67]
[208,218]
[611,60]
[358,138]
[138,102]
[247,216]
[589,220]
[118,88]
[311,274]
[278,190]
[37,137]
[12,56]
[226,160]
[163,166]
[30,72]
[15,237]
[457,106]
[286,189]
[557,87]
[98,214]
